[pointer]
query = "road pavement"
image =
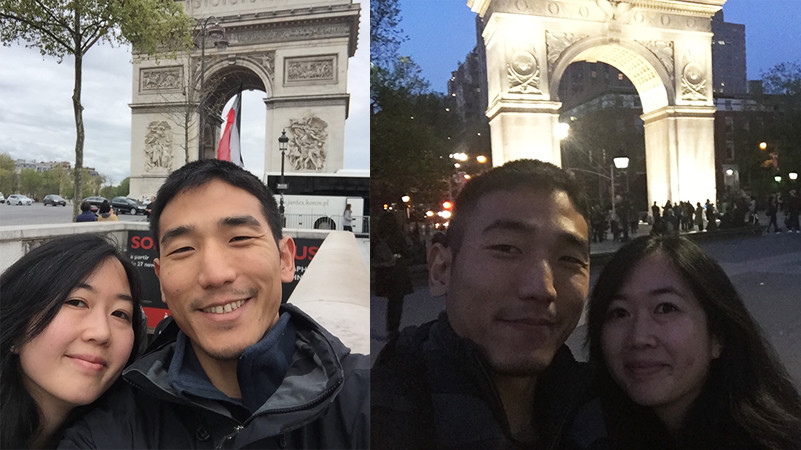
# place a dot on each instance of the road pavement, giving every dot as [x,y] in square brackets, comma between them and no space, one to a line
[37,214]
[766,269]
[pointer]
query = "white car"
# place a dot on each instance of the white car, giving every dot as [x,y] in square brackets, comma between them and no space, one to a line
[18,199]
[2,198]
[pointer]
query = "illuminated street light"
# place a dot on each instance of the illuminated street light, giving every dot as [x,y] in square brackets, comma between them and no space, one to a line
[793,175]
[778,178]
[429,213]
[621,162]
[763,145]
[481,159]
[405,199]
[729,172]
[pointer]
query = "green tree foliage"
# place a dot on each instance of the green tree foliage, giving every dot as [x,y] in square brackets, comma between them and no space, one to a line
[70,28]
[409,126]
[57,180]
[7,174]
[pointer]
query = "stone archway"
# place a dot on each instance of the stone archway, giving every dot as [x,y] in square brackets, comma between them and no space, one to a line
[297,56]
[662,46]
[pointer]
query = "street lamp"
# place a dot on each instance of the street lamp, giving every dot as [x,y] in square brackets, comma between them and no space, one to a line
[406,199]
[217,33]
[793,175]
[620,162]
[283,140]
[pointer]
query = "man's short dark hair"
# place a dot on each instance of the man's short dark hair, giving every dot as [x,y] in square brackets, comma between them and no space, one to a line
[522,173]
[85,206]
[203,171]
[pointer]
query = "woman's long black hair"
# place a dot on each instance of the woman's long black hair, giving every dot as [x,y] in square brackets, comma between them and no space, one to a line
[32,292]
[747,387]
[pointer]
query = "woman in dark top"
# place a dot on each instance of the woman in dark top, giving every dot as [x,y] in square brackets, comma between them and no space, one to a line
[682,364]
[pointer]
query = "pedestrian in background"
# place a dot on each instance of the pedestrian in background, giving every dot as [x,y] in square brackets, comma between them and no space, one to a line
[347,219]
[793,207]
[772,212]
[86,214]
[70,320]
[682,363]
[106,213]
[390,251]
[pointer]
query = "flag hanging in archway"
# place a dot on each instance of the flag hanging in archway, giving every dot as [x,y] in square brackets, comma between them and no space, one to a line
[229,149]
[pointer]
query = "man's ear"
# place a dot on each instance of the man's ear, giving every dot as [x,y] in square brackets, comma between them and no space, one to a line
[157,269]
[439,263]
[286,246]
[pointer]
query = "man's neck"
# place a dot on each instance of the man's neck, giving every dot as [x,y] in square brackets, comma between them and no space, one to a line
[517,397]
[221,373]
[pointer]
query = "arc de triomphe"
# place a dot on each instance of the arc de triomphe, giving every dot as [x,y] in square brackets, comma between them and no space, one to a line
[662,46]
[296,52]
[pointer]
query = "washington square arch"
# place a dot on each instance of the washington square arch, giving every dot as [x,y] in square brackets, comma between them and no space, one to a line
[296,52]
[662,46]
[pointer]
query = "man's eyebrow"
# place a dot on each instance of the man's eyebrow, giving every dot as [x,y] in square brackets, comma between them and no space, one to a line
[508,225]
[173,233]
[574,240]
[235,221]
[88,287]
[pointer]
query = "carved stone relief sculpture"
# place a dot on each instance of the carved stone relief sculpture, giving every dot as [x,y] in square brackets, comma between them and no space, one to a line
[663,50]
[158,146]
[556,43]
[310,69]
[308,143]
[693,82]
[160,79]
[523,72]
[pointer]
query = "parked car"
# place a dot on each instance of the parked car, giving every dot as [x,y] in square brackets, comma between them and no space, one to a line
[95,201]
[2,198]
[54,199]
[18,199]
[127,205]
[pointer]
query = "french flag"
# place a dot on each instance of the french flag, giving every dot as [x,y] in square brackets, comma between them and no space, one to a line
[229,149]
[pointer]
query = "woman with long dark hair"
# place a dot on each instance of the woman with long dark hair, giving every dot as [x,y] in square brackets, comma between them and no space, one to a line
[682,363]
[70,320]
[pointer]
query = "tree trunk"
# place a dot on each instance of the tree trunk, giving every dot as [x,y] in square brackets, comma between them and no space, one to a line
[78,112]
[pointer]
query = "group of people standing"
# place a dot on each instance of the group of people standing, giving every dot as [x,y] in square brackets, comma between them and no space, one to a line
[682,217]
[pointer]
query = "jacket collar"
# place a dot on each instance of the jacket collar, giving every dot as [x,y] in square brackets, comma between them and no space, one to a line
[314,377]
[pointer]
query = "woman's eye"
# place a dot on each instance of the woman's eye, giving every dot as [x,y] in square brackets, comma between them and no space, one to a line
[664,308]
[122,315]
[616,313]
[75,302]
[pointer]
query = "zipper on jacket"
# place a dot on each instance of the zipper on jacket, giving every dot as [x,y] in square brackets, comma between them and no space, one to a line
[236,431]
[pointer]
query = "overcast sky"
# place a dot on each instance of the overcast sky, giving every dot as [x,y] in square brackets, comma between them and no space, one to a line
[439,38]
[37,122]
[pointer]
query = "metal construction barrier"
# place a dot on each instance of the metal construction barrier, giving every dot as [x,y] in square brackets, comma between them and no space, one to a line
[361,224]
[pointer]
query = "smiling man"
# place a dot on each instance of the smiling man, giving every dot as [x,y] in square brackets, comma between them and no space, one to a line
[493,371]
[236,368]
